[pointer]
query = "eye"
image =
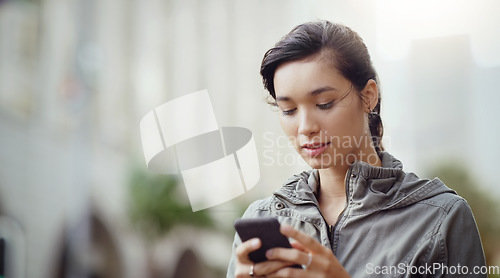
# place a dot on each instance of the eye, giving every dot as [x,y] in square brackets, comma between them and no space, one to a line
[288,112]
[325,106]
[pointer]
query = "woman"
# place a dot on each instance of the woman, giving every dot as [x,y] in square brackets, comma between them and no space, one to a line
[356,213]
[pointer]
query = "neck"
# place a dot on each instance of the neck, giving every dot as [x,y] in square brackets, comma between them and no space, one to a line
[333,178]
[332,182]
[332,192]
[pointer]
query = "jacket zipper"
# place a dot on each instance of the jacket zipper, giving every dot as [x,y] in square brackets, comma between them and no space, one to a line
[332,228]
[330,235]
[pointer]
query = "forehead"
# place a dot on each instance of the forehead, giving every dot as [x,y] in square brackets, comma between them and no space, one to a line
[305,76]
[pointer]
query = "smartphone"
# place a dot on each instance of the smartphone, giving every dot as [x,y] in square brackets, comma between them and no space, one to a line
[265,228]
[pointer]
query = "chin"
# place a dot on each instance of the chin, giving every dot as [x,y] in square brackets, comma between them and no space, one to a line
[318,163]
[325,161]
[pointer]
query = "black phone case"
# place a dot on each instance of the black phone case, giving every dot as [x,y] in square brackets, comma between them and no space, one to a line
[265,228]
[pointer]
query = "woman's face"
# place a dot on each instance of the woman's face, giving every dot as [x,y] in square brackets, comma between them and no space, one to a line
[322,113]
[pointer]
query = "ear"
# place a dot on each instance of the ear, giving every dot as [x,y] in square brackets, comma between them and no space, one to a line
[370,95]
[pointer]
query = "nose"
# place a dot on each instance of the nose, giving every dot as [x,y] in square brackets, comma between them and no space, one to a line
[308,125]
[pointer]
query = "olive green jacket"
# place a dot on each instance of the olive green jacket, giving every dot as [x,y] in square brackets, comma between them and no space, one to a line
[393,225]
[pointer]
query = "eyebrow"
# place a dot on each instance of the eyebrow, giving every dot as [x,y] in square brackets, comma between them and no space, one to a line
[313,93]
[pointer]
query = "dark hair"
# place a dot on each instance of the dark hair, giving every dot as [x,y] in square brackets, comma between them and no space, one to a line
[344,49]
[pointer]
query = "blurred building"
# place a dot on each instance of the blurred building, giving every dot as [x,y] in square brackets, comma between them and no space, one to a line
[449,108]
[75,79]
[440,77]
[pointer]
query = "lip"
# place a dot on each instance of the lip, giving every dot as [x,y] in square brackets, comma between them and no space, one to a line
[314,149]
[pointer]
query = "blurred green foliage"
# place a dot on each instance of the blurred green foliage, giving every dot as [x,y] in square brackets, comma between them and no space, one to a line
[485,208]
[157,205]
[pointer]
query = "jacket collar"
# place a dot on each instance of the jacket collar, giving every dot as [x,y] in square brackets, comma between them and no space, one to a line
[368,187]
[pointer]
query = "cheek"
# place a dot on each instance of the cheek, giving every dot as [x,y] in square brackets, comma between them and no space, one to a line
[288,126]
[358,125]
[347,123]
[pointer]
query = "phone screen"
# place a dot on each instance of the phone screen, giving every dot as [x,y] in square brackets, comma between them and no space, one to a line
[265,228]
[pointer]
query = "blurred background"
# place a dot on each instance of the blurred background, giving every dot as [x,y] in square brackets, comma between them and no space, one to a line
[76,77]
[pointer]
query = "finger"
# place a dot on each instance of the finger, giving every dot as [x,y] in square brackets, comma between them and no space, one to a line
[267,267]
[288,272]
[243,270]
[297,245]
[306,241]
[288,254]
[246,247]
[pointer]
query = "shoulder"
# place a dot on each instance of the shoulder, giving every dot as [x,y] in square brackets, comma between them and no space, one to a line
[440,195]
[295,188]
[432,200]
[258,208]
[457,209]
[457,236]
[454,210]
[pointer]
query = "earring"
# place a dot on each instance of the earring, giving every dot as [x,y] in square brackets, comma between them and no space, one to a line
[369,109]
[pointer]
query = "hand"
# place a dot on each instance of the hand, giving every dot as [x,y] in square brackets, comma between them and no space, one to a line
[318,260]
[244,266]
